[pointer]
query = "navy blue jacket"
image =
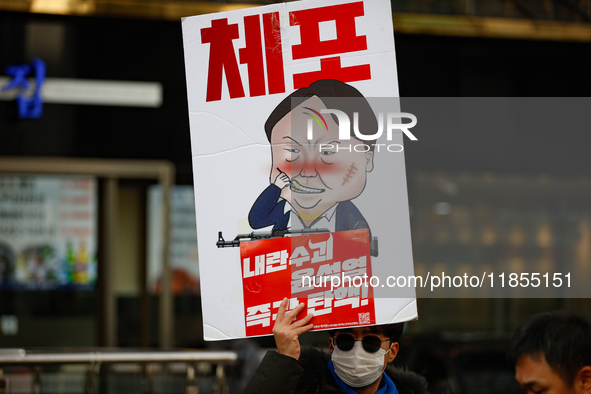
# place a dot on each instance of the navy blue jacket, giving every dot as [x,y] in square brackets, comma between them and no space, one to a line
[280,374]
[267,210]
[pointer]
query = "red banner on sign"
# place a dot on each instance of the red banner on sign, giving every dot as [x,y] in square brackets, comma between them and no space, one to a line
[329,272]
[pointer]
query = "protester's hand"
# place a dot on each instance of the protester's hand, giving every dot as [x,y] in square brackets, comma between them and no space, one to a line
[282,180]
[286,331]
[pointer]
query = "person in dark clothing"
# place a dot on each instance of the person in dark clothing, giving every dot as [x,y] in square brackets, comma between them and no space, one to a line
[552,354]
[355,362]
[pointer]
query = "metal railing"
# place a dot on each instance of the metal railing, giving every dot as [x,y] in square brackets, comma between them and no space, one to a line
[148,361]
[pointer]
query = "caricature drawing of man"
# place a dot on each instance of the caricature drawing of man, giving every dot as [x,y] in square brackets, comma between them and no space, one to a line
[314,180]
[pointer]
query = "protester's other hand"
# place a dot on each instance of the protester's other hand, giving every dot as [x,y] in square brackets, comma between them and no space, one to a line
[282,180]
[286,331]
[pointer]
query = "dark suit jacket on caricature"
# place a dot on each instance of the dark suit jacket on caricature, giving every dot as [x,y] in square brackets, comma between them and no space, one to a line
[268,210]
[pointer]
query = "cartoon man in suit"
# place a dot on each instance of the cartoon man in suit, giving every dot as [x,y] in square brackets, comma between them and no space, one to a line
[313,180]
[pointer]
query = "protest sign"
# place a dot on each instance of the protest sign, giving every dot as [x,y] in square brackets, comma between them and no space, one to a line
[298,165]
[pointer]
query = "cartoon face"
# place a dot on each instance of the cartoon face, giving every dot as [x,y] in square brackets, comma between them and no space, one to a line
[323,171]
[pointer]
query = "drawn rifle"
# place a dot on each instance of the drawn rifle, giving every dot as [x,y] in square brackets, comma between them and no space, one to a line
[254,236]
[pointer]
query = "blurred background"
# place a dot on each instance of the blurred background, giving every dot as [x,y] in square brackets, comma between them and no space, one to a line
[89,175]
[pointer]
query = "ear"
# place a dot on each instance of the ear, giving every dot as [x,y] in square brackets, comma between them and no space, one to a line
[330,345]
[368,161]
[582,383]
[393,352]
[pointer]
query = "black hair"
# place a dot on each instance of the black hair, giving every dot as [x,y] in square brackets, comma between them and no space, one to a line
[392,331]
[561,337]
[335,95]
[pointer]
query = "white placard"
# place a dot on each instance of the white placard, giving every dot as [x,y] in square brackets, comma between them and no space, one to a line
[240,66]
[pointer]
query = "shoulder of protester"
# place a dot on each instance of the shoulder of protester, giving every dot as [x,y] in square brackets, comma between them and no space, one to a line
[407,381]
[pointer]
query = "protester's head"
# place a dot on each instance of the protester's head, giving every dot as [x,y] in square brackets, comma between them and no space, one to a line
[360,355]
[325,169]
[552,354]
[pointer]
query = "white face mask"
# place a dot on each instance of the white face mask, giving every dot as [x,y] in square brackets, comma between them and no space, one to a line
[356,367]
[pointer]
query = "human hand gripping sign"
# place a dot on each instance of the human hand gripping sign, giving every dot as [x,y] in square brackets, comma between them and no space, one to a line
[286,331]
